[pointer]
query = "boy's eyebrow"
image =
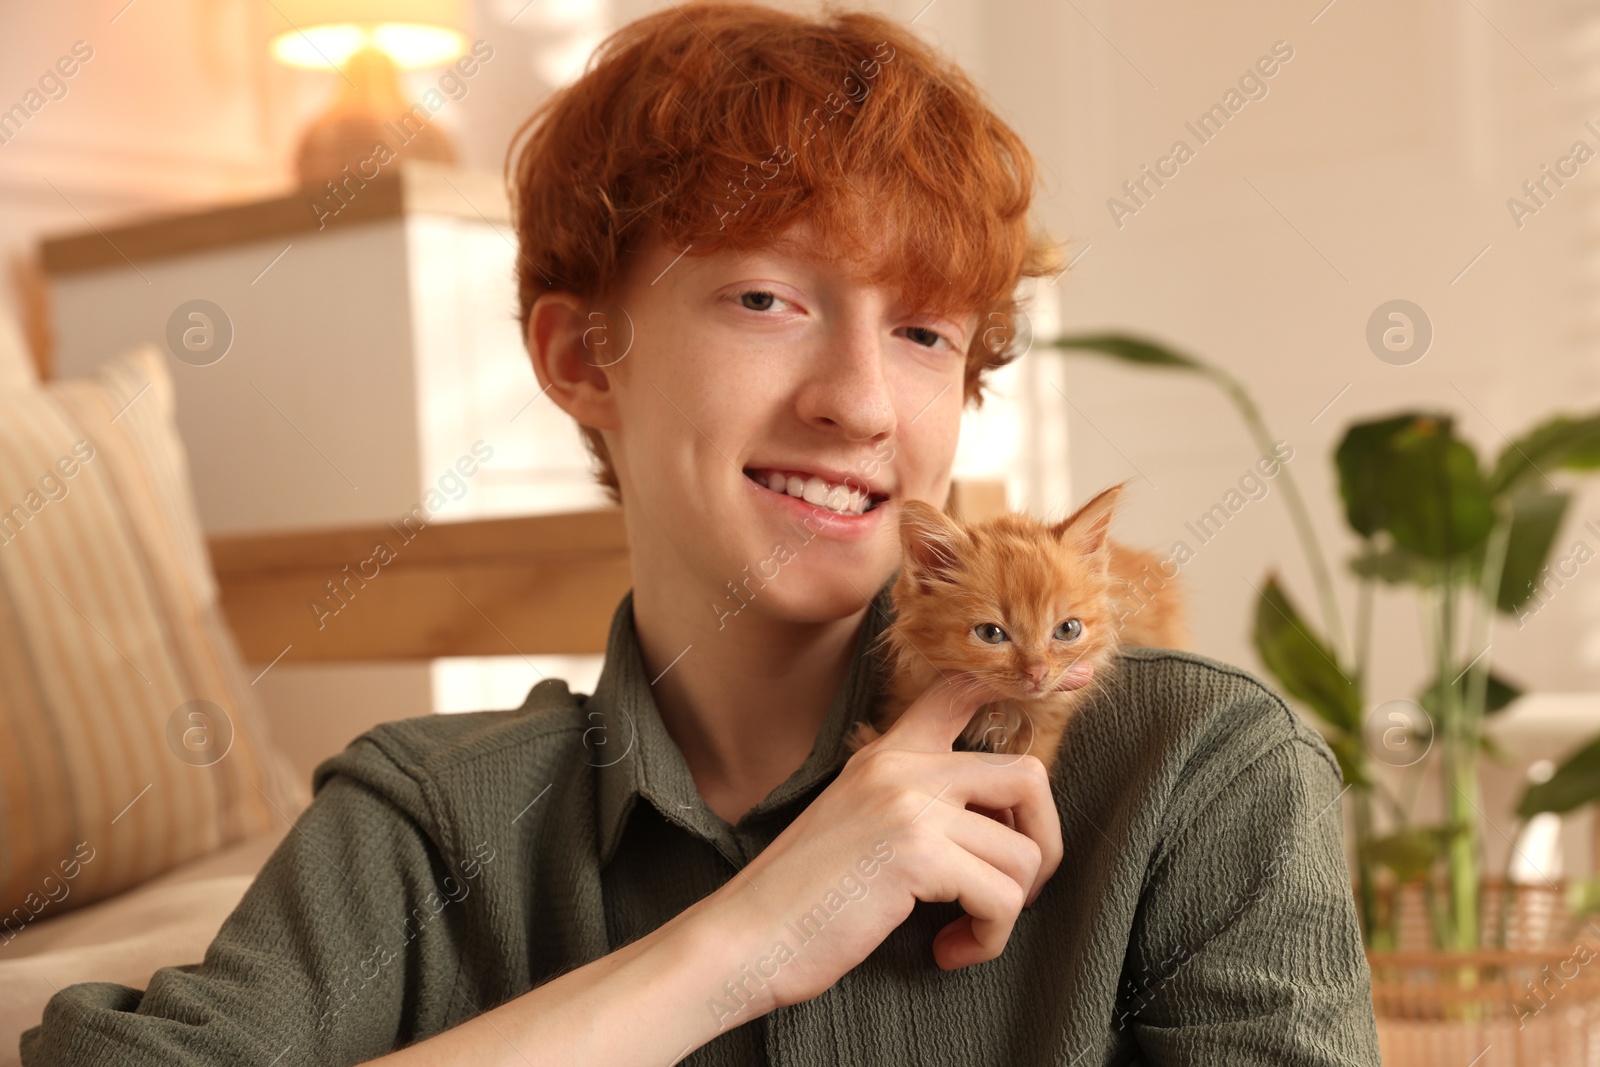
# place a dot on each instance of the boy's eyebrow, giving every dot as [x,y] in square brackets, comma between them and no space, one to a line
[804,247]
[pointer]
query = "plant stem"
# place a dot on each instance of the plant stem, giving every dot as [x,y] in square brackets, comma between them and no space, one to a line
[1507,890]
[1436,919]
[1460,779]
[1494,557]
[1371,931]
[1362,640]
[1297,508]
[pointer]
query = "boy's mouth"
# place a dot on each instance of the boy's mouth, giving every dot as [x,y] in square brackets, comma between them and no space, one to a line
[852,498]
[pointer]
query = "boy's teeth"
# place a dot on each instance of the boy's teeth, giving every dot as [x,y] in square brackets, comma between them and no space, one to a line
[816,491]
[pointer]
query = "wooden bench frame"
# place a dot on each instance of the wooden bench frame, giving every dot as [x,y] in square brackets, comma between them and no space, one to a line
[542,584]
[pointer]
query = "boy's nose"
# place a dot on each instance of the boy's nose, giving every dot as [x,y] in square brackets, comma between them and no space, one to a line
[848,387]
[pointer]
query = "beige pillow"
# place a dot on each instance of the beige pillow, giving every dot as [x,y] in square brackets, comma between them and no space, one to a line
[16,365]
[130,740]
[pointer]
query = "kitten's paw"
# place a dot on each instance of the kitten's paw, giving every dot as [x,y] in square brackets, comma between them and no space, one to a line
[861,735]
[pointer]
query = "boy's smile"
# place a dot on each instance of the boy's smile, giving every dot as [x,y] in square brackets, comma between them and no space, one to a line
[843,495]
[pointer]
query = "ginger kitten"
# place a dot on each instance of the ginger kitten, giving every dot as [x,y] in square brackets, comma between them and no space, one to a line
[1032,610]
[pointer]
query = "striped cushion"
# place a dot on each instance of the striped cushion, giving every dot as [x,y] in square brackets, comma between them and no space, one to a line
[109,631]
[16,366]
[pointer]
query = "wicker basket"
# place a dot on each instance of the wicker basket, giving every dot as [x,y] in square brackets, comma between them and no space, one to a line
[1535,1003]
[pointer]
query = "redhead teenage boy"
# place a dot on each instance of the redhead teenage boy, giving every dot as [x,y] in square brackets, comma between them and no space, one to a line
[764,254]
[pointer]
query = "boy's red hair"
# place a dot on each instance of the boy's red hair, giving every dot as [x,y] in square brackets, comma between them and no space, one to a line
[718,125]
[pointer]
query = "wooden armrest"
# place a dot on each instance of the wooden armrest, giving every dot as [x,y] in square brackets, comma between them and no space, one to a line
[490,587]
[543,584]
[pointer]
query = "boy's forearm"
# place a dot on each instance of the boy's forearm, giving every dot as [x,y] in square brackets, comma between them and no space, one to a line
[644,1004]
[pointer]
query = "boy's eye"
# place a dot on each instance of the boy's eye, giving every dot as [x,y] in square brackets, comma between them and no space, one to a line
[989,633]
[757,299]
[924,336]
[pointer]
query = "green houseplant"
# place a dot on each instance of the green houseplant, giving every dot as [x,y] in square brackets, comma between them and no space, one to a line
[1470,541]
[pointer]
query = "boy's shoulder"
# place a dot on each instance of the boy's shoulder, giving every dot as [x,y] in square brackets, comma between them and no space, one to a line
[1182,724]
[544,733]
[1182,694]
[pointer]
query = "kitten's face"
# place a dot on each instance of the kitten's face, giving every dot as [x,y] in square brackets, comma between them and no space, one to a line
[1021,605]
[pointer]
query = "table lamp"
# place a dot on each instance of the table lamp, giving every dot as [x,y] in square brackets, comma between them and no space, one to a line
[366,42]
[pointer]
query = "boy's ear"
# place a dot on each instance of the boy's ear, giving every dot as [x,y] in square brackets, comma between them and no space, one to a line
[930,544]
[570,343]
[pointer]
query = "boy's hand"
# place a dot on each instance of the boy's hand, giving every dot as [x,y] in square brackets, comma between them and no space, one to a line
[893,828]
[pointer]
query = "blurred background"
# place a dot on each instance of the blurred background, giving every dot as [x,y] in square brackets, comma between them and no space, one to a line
[1438,153]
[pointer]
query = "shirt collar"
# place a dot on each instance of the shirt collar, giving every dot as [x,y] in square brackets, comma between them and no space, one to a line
[634,756]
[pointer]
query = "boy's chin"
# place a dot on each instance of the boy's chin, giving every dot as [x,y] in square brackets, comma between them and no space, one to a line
[806,597]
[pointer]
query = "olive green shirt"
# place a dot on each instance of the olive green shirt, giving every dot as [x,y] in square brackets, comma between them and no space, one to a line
[1202,914]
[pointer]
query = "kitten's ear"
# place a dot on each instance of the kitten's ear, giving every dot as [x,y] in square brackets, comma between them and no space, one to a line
[1086,528]
[930,543]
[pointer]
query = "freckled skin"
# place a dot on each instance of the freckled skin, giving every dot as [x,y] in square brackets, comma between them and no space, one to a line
[1027,578]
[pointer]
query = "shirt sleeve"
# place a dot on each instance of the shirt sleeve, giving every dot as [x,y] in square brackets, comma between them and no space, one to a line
[318,962]
[1246,949]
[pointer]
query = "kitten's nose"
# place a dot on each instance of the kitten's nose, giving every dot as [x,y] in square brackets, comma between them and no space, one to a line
[1036,674]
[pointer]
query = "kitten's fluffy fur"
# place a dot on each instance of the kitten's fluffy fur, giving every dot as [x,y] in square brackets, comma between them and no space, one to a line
[1027,578]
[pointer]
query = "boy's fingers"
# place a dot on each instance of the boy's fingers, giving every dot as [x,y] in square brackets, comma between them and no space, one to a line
[936,718]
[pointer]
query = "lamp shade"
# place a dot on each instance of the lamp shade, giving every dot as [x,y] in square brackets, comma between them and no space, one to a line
[412,33]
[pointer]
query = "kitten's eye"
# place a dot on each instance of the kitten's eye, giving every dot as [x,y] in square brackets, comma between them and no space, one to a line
[989,633]
[1068,631]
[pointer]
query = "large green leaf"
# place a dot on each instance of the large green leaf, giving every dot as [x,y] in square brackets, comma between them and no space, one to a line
[1362,460]
[1409,475]
[1352,757]
[1497,694]
[1394,565]
[1562,441]
[1535,520]
[1129,349]
[1437,504]
[1411,853]
[1495,750]
[1575,783]
[1302,663]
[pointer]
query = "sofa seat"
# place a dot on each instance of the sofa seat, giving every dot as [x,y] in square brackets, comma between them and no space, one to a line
[168,920]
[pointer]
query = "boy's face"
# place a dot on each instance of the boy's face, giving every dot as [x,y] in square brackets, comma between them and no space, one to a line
[747,369]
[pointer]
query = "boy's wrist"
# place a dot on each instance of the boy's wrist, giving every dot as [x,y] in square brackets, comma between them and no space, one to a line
[714,946]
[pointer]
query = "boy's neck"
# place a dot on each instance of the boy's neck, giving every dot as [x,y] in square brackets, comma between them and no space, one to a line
[744,703]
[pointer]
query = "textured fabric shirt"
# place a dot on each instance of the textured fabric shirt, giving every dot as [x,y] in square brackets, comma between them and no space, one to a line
[1202,914]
